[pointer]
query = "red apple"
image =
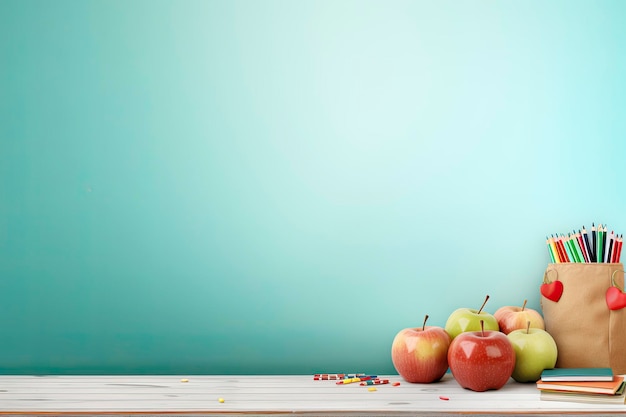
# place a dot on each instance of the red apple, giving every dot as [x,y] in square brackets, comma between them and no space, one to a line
[481,360]
[514,318]
[421,354]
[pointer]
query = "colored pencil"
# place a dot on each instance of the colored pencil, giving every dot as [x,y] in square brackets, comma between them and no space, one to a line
[614,250]
[572,248]
[581,244]
[555,251]
[600,248]
[605,244]
[617,247]
[609,247]
[577,248]
[562,248]
[595,247]
[587,246]
[552,258]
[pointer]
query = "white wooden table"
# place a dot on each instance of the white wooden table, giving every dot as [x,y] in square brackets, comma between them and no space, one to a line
[269,395]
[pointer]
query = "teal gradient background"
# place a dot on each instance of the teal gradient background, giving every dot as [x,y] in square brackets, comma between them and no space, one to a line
[241,187]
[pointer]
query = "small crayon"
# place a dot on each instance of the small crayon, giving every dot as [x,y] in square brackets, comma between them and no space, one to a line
[348,381]
[357,379]
[327,377]
[375,382]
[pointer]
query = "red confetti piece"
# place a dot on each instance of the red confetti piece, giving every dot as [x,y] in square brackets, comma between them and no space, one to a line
[441,397]
[395,384]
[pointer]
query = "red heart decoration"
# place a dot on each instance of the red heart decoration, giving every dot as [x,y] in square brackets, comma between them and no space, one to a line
[553,290]
[615,299]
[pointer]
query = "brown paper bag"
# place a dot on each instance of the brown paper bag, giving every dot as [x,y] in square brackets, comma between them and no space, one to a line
[588,327]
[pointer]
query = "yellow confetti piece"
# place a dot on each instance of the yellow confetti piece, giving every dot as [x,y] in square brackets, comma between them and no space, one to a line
[372,389]
[220,400]
[184,380]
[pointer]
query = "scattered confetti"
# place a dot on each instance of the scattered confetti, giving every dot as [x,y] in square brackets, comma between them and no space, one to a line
[372,389]
[184,380]
[395,384]
[441,397]
[220,400]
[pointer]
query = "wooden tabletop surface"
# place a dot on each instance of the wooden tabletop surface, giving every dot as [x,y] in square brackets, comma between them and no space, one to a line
[186,395]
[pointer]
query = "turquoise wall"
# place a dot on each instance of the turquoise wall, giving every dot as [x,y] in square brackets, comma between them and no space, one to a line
[231,187]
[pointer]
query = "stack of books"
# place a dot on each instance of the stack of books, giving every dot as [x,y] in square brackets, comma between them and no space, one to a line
[587,385]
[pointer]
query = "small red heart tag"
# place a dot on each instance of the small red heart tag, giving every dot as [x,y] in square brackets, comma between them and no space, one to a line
[615,299]
[552,291]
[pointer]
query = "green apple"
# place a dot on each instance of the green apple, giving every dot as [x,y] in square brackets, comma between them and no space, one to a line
[535,350]
[468,320]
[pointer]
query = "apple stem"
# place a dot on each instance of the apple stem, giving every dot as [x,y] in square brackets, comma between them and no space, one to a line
[528,327]
[524,305]
[424,325]
[482,327]
[483,306]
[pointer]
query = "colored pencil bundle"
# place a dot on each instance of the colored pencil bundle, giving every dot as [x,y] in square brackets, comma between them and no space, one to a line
[598,246]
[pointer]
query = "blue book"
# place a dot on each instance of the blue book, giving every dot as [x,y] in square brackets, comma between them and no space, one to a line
[577,374]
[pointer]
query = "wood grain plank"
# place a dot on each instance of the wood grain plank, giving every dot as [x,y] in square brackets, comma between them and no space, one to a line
[266,395]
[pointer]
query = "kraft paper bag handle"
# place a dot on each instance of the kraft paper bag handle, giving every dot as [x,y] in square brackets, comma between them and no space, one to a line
[552,290]
[615,297]
[613,284]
